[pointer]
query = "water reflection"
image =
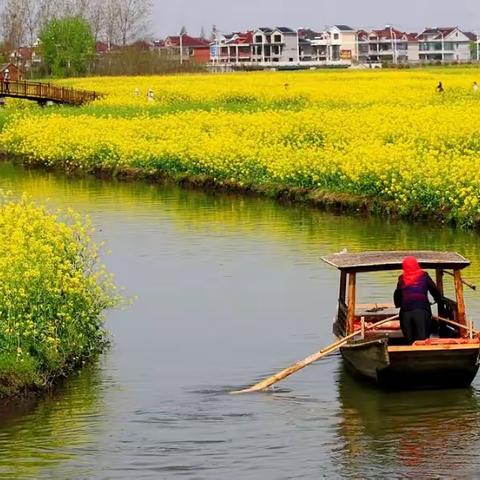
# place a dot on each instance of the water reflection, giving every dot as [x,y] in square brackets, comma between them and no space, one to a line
[36,435]
[408,434]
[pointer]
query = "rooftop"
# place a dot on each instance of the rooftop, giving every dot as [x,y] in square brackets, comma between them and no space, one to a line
[345,28]
[392,260]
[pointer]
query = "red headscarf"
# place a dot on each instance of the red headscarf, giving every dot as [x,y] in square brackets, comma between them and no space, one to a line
[411,271]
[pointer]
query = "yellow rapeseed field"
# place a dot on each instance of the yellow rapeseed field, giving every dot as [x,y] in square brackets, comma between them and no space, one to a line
[384,134]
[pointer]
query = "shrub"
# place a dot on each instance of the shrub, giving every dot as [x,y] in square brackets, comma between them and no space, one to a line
[53,290]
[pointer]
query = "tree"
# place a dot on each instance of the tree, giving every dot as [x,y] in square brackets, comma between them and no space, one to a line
[183,30]
[202,32]
[125,19]
[13,24]
[67,46]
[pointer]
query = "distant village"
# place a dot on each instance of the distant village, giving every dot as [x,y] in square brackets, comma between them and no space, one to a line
[286,48]
[338,45]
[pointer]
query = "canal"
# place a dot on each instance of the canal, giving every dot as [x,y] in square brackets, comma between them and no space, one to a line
[226,290]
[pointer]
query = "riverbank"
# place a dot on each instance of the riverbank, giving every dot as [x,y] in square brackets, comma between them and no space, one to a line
[53,292]
[328,201]
[381,142]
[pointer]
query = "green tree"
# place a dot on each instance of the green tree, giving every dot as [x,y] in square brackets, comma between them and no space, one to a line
[67,46]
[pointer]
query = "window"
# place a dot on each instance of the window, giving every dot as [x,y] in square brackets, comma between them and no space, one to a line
[277,38]
[290,59]
[258,39]
[336,36]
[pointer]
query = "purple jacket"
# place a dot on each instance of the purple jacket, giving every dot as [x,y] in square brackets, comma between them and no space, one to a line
[415,297]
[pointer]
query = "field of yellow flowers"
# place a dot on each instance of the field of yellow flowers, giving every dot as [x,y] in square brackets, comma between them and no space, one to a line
[53,291]
[387,136]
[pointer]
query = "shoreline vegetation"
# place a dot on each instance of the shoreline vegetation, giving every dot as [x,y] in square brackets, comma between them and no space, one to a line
[380,142]
[53,292]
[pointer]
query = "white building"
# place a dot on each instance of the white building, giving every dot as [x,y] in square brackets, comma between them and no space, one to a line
[336,45]
[387,45]
[448,44]
[275,46]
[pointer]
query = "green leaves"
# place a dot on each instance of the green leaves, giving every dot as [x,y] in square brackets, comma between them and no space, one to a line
[67,46]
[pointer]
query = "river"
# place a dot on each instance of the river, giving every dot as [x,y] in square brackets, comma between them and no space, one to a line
[229,289]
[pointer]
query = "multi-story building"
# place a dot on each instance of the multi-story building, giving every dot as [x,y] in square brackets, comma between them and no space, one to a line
[337,44]
[387,45]
[275,46]
[446,44]
[232,49]
[341,45]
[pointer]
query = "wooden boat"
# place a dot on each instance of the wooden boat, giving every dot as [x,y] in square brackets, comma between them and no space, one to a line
[381,354]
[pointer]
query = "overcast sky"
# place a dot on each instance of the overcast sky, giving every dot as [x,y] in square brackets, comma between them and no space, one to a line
[228,15]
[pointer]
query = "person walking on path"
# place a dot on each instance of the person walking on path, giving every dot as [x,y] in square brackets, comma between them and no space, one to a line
[411,296]
[6,80]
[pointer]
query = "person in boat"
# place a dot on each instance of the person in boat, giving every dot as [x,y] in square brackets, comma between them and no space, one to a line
[411,296]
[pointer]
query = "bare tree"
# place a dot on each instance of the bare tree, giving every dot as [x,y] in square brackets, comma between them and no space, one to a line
[31,12]
[127,18]
[12,22]
[95,14]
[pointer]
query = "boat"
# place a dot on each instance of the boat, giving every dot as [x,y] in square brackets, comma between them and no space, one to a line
[378,351]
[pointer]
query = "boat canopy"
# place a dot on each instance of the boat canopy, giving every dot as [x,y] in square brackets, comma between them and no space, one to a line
[375,261]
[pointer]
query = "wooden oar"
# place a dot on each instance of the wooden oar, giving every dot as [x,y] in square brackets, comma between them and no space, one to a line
[268,382]
[451,322]
[465,282]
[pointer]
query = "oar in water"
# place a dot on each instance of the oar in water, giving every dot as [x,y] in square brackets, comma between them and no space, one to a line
[268,382]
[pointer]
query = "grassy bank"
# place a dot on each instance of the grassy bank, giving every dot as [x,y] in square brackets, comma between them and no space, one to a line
[53,290]
[375,140]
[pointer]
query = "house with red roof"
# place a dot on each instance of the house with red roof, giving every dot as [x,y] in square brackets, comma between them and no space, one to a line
[233,49]
[445,44]
[188,48]
[25,57]
[387,45]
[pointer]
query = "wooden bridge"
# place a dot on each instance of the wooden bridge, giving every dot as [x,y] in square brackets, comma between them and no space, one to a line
[46,92]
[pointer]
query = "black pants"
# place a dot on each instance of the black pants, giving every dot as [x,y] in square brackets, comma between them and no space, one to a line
[416,325]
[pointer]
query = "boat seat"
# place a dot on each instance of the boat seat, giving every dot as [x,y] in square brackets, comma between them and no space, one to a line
[446,341]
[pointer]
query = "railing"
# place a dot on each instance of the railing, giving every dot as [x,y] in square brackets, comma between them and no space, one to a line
[45,92]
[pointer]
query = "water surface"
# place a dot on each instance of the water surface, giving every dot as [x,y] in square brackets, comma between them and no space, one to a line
[231,289]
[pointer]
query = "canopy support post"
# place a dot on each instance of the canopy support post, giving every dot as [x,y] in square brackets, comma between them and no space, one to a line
[459,295]
[351,302]
[439,280]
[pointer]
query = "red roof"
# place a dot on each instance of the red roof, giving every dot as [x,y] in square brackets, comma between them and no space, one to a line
[101,47]
[26,53]
[472,36]
[187,41]
[241,38]
[440,31]
[388,33]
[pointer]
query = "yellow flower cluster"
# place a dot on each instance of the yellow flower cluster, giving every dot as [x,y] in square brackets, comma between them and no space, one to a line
[53,290]
[383,134]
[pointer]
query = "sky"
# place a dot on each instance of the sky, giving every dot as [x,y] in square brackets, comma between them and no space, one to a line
[234,15]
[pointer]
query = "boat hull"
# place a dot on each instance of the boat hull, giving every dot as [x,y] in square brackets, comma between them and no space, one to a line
[404,368]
